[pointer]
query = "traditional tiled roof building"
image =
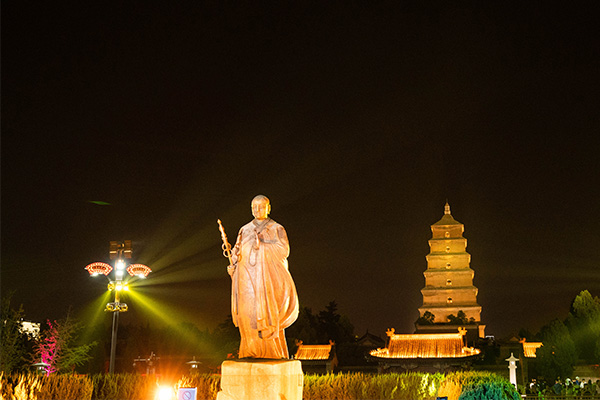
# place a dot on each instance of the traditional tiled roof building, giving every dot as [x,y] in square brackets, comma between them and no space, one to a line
[529,348]
[423,345]
[317,358]
[426,352]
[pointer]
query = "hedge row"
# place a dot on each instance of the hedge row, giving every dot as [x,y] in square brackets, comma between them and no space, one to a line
[351,386]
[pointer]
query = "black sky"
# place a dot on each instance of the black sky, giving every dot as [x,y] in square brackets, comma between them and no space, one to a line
[358,120]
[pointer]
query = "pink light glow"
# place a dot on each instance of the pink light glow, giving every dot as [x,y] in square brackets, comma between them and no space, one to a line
[49,348]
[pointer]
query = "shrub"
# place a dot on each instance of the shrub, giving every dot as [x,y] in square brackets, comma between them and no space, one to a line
[123,386]
[349,386]
[477,385]
[19,386]
[354,386]
[490,391]
[65,387]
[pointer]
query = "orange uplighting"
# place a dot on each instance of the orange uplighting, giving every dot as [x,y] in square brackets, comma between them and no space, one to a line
[98,268]
[529,348]
[430,345]
[313,352]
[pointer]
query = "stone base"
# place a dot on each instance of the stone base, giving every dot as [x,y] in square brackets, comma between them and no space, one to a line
[261,379]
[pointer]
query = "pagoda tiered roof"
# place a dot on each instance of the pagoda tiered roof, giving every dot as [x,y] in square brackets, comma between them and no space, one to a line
[447,219]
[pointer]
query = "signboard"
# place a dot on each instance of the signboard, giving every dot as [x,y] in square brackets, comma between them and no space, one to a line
[186,394]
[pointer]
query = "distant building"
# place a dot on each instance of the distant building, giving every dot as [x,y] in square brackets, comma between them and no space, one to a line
[425,352]
[529,348]
[317,358]
[368,340]
[30,328]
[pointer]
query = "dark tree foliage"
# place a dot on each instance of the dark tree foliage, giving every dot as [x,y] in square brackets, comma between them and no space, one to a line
[460,318]
[68,350]
[584,325]
[500,390]
[527,334]
[226,337]
[332,326]
[428,318]
[304,329]
[558,354]
[326,325]
[13,342]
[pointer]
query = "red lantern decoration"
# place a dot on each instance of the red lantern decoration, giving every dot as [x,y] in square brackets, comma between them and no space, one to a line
[140,270]
[99,268]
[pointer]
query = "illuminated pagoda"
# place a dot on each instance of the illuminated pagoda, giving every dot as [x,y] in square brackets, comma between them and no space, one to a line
[440,343]
[449,289]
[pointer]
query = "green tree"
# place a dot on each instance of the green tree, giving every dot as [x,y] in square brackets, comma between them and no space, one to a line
[304,329]
[584,325]
[13,340]
[333,327]
[525,333]
[227,338]
[558,354]
[58,346]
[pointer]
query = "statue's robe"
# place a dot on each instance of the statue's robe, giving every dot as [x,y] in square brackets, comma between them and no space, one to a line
[263,297]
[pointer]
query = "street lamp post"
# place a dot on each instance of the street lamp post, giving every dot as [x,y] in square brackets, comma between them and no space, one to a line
[118,251]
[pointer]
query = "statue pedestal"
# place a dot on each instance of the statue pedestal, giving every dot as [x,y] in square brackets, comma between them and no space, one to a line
[261,379]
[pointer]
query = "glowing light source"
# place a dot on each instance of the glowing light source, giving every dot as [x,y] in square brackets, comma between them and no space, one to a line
[140,270]
[118,251]
[116,306]
[98,268]
[165,393]
[118,286]
[530,348]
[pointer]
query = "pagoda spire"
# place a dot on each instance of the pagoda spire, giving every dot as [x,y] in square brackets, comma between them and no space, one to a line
[447,208]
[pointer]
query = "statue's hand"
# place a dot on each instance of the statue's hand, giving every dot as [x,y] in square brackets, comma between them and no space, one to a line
[257,240]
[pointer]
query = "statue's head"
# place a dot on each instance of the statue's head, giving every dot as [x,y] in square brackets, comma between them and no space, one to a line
[261,207]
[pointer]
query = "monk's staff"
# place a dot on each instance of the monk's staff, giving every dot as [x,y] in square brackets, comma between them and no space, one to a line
[225,246]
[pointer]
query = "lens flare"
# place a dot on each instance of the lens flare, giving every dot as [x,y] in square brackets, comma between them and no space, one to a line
[165,393]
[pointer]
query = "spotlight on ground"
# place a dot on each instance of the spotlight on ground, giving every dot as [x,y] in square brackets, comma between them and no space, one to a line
[165,393]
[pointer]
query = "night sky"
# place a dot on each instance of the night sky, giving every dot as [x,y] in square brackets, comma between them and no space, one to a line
[358,121]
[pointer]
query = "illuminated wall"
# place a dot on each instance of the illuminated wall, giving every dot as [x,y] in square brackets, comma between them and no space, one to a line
[448,345]
[449,277]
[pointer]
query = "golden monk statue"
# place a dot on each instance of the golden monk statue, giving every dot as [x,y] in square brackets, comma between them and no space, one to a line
[263,295]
